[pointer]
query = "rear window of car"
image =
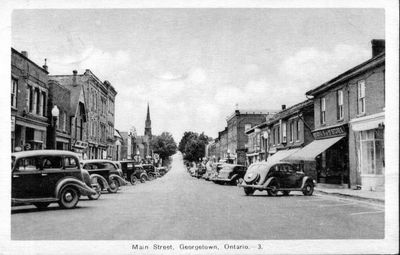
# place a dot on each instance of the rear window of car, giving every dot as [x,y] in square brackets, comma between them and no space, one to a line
[28,164]
[52,162]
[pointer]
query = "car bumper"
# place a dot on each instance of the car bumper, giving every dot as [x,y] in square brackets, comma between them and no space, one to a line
[261,187]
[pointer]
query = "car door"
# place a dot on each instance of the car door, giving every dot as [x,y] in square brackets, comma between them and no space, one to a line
[52,171]
[26,178]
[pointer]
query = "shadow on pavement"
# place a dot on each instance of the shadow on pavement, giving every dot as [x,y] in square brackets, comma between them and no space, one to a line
[34,209]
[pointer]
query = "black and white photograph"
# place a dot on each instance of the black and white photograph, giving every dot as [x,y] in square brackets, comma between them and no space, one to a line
[250,127]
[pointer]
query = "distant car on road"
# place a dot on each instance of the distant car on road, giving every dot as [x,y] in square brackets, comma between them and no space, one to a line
[150,170]
[41,177]
[230,173]
[274,177]
[133,172]
[105,173]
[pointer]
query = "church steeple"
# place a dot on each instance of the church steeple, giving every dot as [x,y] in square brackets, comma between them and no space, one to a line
[147,129]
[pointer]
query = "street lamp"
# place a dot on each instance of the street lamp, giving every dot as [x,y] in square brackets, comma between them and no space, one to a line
[55,113]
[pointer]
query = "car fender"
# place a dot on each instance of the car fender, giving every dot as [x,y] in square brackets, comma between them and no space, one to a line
[118,178]
[100,179]
[81,186]
[269,180]
[305,179]
[144,175]
[233,177]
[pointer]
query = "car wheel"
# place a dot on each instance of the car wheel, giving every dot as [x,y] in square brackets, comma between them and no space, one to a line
[308,189]
[143,178]
[286,192]
[133,179]
[69,198]
[273,189]
[41,205]
[151,176]
[249,191]
[114,185]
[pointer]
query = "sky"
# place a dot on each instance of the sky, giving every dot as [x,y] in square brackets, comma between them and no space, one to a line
[196,66]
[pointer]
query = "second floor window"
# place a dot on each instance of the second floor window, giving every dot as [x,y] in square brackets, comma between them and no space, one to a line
[64,124]
[339,97]
[278,134]
[361,97]
[291,131]
[14,88]
[298,130]
[323,110]
[284,132]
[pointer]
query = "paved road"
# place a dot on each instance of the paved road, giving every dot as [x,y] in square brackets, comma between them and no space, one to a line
[178,206]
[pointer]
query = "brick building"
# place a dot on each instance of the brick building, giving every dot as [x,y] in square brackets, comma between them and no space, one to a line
[71,125]
[99,99]
[349,125]
[29,92]
[237,123]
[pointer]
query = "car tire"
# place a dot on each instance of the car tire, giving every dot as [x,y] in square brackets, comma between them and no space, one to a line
[143,178]
[151,176]
[273,189]
[113,186]
[249,191]
[97,188]
[41,205]
[286,192]
[308,189]
[69,197]
[133,179]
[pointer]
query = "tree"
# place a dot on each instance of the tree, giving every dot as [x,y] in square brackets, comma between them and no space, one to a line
[193,145]
[164,145]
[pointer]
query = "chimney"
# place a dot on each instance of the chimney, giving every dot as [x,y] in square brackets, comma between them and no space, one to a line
[45,67]
[378,46]
[25,53]
[74,77]
[283,107]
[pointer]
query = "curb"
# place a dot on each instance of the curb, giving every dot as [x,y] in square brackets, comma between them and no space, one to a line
[374,200]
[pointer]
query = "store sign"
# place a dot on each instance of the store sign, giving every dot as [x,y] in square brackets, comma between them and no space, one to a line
[81,144]
[330,132]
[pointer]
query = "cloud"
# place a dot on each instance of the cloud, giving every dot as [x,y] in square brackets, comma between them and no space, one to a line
[310,67]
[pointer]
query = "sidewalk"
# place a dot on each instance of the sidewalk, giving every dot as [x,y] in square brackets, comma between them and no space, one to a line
[337,190]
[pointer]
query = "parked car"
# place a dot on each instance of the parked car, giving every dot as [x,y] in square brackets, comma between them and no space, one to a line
[41,177]
[151,171]
[215,171]
[274,177]
[105,173]
[162,170]
[133,172]
[230,173]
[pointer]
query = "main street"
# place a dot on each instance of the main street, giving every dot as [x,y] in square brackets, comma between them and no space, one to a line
[178,206]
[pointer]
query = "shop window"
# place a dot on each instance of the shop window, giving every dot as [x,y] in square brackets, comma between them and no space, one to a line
[361,97]
[372,152]
[339,97]
[14,89]
[323,110]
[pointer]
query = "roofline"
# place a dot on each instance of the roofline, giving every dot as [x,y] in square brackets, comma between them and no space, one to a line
[379,59]
[21,55]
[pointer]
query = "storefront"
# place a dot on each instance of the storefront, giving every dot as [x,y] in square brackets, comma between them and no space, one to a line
[370,150]
[329,150]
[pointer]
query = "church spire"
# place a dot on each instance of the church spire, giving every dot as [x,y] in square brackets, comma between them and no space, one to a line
[147,129]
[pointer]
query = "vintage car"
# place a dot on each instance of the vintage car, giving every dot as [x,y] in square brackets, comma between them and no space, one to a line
[105,173]
[151,171]
[215,171]
[162,170]
[274,177]
[41,177]
[230,173]
[133,172]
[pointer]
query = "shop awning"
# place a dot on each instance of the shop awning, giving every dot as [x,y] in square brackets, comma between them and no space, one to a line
[309,152]
[282,154]
[368,122]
